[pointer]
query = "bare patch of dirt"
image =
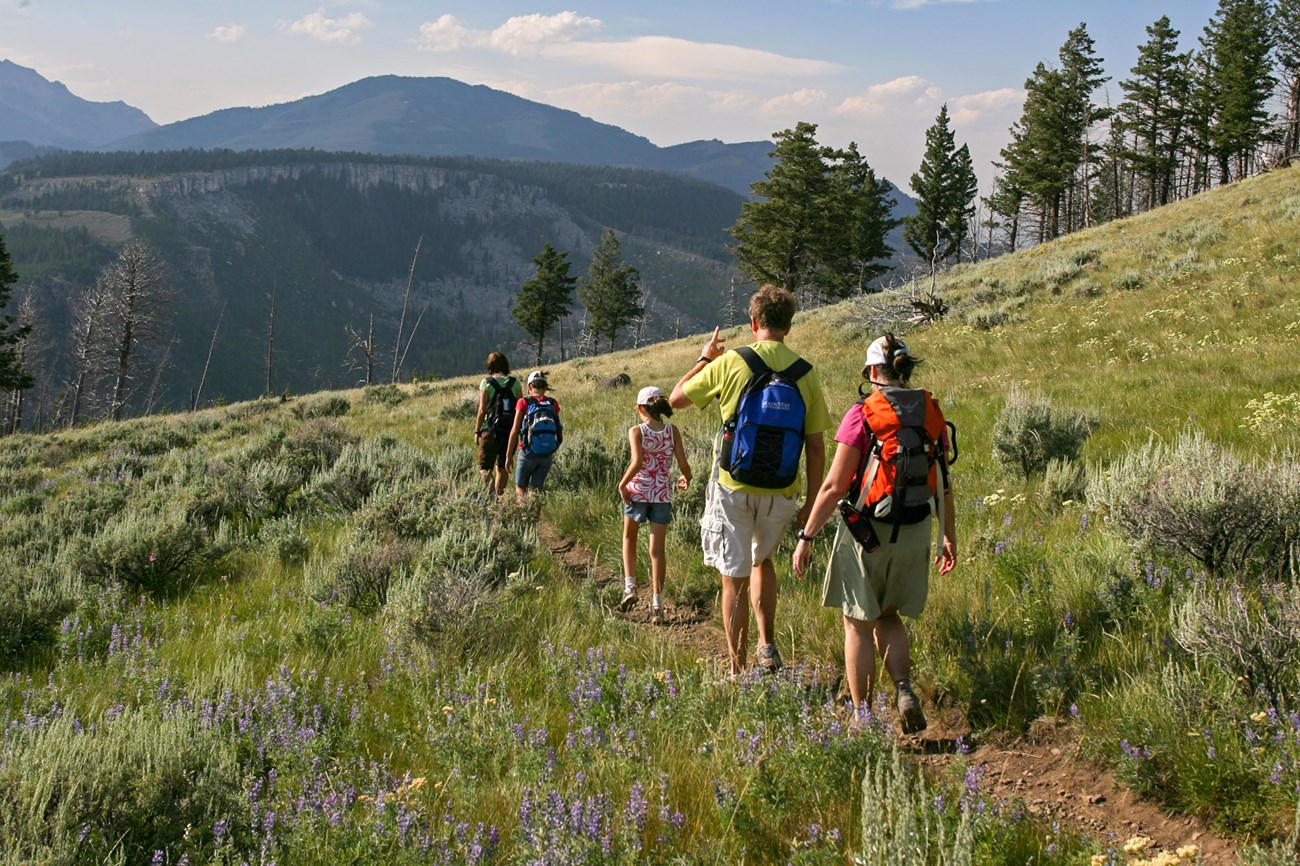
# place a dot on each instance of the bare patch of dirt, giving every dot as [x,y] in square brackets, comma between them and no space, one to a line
[1047,774]
[685,625]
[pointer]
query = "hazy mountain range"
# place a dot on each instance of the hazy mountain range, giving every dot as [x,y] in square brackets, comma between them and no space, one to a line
[384,115]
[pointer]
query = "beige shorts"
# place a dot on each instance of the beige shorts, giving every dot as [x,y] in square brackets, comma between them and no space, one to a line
[741,529]
[897,576]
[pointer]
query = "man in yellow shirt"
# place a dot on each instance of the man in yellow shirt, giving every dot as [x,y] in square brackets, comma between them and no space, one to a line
[743,523]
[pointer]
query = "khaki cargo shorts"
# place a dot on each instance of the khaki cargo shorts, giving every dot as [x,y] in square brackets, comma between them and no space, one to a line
[739,530]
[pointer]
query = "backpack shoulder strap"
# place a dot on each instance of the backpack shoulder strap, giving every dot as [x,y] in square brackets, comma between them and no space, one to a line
[796,371]
[756,364]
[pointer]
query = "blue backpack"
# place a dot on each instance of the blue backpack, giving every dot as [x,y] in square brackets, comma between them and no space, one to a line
[762,442]
[541,430]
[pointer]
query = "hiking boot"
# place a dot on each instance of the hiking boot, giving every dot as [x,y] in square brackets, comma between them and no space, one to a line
[909,709]
[769,659]
[629,599]
[657,615]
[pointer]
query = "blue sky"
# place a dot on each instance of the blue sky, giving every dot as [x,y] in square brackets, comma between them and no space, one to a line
[871,71]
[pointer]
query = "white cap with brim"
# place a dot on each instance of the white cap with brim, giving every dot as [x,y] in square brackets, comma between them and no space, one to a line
[538,378]
[648,395]
[876,352]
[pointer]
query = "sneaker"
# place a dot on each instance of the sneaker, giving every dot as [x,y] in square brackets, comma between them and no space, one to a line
[909,709]
[657,615]
[769,659]
[629,599]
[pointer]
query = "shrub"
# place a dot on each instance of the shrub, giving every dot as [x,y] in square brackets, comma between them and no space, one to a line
[330,406]
[419,509]
[1129,281]
[1056,274]
[31,606]
[1030,433]
[1064,481]
[989,316]
[586,462]
[286,539]
[148,552]
[1196,498]
[360,577]
[385,395]
[1085,289]
[116,790]
[360,468]
[462,407]
[1252,636]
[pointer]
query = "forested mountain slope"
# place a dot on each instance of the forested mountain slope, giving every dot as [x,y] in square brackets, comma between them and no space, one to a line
[333,236]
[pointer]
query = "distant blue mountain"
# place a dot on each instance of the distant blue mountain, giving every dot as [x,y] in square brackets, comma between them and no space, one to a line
[42,112]
[391,115]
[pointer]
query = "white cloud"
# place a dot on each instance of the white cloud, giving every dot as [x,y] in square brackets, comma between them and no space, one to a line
[560,37]
[341,31]
[445,34]
[670,57]
[800,103]
[976,106]
[529,34]
[229,33]
[917,4]
[892,96]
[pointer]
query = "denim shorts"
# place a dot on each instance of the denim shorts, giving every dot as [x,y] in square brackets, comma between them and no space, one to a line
[655,512]
[532,469]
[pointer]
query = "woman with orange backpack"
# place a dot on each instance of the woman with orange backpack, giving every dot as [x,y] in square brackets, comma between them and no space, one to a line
[888,478]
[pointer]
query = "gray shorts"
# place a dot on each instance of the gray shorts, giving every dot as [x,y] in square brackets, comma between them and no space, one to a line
[532,469]
[741,530]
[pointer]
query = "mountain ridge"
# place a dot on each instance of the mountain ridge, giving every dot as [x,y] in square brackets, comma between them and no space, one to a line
[43,112]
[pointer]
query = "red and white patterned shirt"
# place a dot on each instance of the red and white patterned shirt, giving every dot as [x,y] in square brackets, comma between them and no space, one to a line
[654,482]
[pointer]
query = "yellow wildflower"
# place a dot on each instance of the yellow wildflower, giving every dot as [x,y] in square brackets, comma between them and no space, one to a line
[1259,718]
[1136,845]
[1188,852]
[448,710]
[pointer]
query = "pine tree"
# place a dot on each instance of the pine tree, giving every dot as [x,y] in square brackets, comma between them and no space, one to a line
[1007,201]
[1081,75]
[1039,158]
[1154,112]
[611,290]
[1286,35]
[544,300]
[782,231]
[944,187]
[963,188]
[12,375]
[1238,43]
[864,215]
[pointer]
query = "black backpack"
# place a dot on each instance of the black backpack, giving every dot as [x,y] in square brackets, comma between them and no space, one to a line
[500,415]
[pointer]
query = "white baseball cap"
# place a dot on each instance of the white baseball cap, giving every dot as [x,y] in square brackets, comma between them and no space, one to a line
[648,395]
[876,352]
[537,377]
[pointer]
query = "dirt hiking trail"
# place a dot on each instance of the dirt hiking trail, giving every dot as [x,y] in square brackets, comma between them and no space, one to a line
[1046,773]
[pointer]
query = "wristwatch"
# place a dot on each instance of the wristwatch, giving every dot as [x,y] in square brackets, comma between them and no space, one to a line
[803,536]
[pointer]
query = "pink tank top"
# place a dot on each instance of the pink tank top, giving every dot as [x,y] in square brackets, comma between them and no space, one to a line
[654,482]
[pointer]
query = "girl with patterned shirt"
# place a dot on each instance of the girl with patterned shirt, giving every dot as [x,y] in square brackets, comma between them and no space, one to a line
[647,491]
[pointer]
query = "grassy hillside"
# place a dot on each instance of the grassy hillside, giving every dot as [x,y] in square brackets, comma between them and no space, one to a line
[298,632]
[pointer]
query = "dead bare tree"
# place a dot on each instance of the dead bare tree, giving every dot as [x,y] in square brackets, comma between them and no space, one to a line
[198,394]
[138,296]
[401,323]
[365,347]
[23,351]
[89,320]
[270,340]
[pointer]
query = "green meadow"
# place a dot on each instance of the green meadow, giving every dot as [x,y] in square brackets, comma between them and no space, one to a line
[297,631]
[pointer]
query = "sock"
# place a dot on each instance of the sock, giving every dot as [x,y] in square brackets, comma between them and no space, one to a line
[629,584]
[658,600]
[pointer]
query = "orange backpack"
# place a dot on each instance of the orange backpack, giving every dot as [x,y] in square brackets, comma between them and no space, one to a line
[899,476]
